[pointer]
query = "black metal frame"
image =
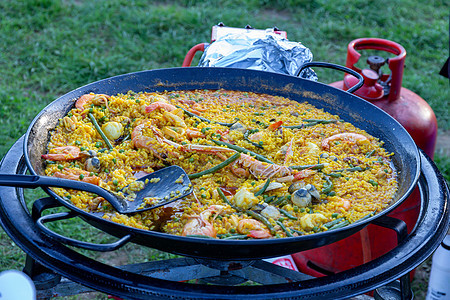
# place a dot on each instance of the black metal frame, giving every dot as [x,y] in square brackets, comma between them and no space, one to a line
[430,230]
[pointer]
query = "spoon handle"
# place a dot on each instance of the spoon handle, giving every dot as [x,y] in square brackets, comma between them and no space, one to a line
[34,181]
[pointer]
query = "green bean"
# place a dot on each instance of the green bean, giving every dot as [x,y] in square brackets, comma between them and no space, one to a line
[321,121]
[367,216]
[215,168]
[287,214]
[288,233]
[235,237]
[190,114]
[262,219]
[269,199]
[372,182]
[299,126]
[353,169]
[340,225]
[200,236]
[297,231]
[369,154]
[311,122]
[99,130]
[332,223]
[328,186]
[335,175]
[243,150]
[263,189]
[279,200]
[225,199]
[312,167]
[247,132]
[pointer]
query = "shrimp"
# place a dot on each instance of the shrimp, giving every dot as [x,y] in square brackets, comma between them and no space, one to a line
[304,174]
[194,107]
[77,174]
[151,143]
[63,153]
[309,221]
[96,99]
[246,165]
[346,136]
[160,105]
[193,133]
[344,203]
[154,143]
[174,119]
[253,228]
[199,225]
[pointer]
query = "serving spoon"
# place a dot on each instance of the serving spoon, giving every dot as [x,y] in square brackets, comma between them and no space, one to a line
[163,186]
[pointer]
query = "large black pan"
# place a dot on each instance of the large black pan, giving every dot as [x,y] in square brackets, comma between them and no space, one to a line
[349,107]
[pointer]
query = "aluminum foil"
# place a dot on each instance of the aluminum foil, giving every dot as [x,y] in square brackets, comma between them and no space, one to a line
[267,52]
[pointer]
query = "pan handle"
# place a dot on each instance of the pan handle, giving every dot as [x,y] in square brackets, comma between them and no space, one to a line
[335,67]
[76,243]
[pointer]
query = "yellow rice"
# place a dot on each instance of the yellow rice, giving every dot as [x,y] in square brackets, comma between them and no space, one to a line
[368,191]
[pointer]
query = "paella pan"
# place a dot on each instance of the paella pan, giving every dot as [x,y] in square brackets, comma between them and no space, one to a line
[314,138]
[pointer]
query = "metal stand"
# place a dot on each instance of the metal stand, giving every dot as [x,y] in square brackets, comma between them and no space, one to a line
[390,291]
[227,273]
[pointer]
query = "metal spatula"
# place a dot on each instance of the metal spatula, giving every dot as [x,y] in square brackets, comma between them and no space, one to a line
[160,188]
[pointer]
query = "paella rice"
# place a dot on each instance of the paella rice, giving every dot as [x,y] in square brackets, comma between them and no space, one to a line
[261,166]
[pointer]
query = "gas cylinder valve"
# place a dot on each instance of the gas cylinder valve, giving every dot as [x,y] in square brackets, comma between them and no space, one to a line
[376,62]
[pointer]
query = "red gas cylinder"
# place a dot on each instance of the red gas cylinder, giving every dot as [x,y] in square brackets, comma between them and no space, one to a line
[410,110]
[386,91]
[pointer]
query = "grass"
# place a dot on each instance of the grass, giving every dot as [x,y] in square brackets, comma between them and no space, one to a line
[50,47]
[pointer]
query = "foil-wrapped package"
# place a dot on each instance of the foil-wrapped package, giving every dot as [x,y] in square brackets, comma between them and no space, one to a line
[268,52]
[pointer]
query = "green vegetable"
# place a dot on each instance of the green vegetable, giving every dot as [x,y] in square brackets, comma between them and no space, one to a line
[369,154]
[279,200]
[332,223]
[243,150]
[263,189]
[246,134]
[269,199]
[190,114]
[354,169]
[99,130]
[215,168]
[327,186]
[287,214]
[312,167]
[372,182]
[288,232]
[225,199]
[340,225]
[200,236]
[261,218]
[367,216]
[235,237]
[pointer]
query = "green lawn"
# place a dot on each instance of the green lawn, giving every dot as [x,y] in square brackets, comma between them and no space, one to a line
[49,47]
